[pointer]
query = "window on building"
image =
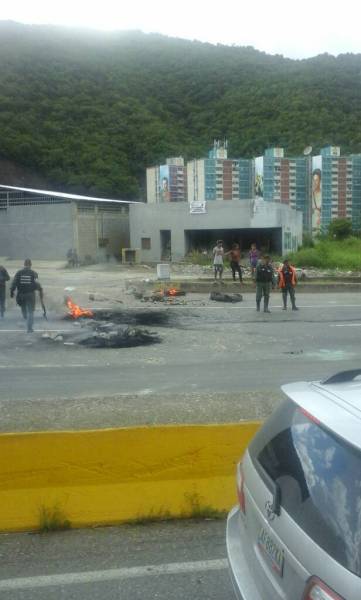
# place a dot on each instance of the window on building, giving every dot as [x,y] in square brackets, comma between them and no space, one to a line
[146,244]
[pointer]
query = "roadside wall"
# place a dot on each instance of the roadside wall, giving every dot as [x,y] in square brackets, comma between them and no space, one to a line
[36,231]
[48,231]
[116,475]
[101,234]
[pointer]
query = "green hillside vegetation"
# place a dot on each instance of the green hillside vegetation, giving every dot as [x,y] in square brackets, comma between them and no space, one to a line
[90,111]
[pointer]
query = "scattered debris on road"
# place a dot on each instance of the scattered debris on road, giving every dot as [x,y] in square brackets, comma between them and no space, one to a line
[222,297]
[95,334]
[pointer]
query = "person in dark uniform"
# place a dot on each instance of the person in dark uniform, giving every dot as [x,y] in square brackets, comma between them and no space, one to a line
[4,277]
[26,284]
[265,279]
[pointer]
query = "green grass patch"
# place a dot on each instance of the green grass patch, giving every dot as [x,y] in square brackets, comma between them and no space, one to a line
[199,258]
[330,254]
[52,519]
[197,509]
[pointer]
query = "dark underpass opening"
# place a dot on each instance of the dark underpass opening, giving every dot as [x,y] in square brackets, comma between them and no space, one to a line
[268,240]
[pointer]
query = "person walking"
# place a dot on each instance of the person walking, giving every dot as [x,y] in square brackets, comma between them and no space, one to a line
[287,281]
[254,257]
[4,277]
[235,259]
[26,284]
[218,253]
[265,279]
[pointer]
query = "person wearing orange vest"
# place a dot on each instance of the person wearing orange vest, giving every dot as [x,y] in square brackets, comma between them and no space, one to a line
[287,281]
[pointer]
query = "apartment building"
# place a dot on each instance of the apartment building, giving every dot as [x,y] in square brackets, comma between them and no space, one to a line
[336,188]
[168,182]
[286,180]
[219,177]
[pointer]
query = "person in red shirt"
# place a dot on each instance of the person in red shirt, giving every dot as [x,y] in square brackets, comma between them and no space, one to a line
[287,281]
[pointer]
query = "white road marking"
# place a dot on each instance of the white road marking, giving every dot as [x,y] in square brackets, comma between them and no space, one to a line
[36,331]
[228,305]
[49,366]
[345,325]
[42,581]
[225,305]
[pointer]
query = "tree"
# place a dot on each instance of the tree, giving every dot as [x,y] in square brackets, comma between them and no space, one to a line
[95,110]
[339,229]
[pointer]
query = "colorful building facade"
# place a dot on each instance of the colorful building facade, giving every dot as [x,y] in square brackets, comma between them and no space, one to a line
[322,187]
[219,177]
[167,183]
[336,188]
[286,180]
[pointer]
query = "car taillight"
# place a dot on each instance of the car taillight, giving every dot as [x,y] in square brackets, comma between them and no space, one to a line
[240,488]
[318,590]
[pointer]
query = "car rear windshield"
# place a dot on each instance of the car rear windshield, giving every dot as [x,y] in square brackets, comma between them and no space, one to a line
[319,475]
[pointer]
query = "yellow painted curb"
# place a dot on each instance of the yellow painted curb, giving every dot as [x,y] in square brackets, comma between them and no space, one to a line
[116,475]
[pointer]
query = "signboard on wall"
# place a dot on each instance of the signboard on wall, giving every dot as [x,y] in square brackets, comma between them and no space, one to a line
[197,207]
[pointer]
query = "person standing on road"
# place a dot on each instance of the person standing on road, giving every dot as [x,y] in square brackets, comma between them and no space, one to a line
[265,279]
[287,281]
[235,259]
[26,284]
[218,253]
[4,277]
[254,257]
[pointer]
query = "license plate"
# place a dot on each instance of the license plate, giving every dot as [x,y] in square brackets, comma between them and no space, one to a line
[268,545]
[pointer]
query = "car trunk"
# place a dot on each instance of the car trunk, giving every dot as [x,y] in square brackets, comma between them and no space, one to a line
[277,572]
[300,492]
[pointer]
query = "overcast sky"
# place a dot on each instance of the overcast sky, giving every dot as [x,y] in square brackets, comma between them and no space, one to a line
[297,29]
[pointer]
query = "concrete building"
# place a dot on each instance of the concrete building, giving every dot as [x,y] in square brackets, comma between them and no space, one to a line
[219,177]
[171,231]
[336,188]
[286,180]
[45,225]
[167,183]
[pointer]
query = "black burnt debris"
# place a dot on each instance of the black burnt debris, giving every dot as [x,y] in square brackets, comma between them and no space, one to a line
[95,334]
[111,335]
[98,328]
[222,297]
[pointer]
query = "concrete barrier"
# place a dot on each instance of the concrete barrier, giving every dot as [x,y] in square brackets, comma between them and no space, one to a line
[111,476]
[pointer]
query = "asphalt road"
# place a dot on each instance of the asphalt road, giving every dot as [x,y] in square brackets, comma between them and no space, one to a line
[175,560]
[221,348]
[210,360]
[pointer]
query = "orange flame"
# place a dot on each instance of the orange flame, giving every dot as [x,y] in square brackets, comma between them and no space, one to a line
[75,311]
[173,292]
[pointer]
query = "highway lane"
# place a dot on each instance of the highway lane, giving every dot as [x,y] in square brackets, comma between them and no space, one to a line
[211,349]
[178,560]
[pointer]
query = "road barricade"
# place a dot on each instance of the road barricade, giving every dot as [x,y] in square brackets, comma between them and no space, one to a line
[103,477]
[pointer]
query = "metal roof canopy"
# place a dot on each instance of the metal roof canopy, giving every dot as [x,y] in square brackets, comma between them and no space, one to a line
[68,196]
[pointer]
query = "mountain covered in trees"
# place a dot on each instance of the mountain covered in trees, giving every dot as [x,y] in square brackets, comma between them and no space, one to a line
[89,111]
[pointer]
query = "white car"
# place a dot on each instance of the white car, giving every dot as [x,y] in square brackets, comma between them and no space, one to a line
[296,533]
